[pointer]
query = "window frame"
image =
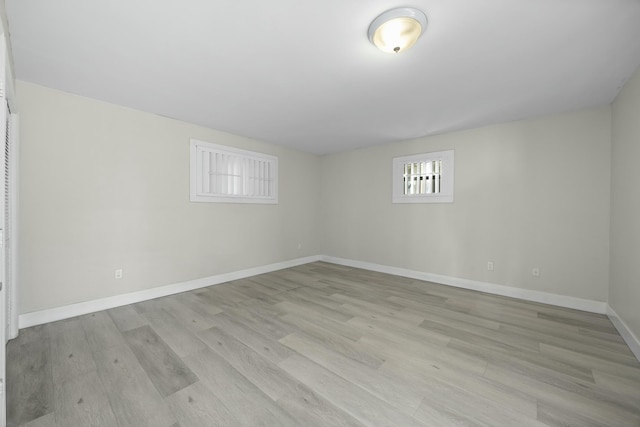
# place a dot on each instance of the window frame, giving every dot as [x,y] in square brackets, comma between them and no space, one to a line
[446,181]
[196,147]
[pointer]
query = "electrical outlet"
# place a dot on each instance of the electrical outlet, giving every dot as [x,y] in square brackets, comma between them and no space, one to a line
[535,272]
[490,266]
[119,273]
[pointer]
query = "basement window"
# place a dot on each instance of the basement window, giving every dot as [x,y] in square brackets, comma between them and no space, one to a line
[423,178]
[221,174]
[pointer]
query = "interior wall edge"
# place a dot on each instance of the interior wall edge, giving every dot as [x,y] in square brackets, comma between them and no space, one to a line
[598,307]
[625,332]
[78,309]
[64,312]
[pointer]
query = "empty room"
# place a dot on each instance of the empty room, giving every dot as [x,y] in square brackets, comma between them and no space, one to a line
[329,213]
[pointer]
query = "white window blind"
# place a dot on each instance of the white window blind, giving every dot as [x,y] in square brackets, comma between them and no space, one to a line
[423,178]
[231,175]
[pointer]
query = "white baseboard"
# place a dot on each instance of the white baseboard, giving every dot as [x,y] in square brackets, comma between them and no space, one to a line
[625,332]
[490,288]
[58,313]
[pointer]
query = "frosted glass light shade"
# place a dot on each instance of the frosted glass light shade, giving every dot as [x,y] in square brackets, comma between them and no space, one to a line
[396,30]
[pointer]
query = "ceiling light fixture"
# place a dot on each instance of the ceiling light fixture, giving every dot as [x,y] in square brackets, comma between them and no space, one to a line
[396,30]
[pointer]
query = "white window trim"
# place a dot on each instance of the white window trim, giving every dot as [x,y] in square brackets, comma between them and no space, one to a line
[446,182]
[195,182]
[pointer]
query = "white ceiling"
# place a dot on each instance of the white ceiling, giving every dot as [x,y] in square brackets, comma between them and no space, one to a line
[303,73]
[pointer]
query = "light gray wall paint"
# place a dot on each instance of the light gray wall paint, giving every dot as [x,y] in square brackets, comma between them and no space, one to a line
[624,287]
[528,194]
[104,187]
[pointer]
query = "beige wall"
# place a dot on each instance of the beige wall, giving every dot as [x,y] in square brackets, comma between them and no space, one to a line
[624,288]
[528,193]
[105,187]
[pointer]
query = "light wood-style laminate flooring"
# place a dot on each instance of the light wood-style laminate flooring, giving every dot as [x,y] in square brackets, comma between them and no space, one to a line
[325,345]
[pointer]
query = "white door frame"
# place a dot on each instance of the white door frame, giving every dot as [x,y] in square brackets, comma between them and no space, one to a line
[8,297]
[12,290]
[3,291]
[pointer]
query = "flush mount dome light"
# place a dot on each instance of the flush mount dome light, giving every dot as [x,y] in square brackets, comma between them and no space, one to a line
[396,30]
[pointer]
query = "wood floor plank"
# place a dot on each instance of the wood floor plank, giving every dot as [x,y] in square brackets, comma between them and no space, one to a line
[436,415]
[553,416]
[29,377]
[268,377]
[385,387]
[196,405]
[294,276]
[608,351]
[268,348]
[333,341]
[262,310]
[283,281]
[275,285]
[246,402]
[71,354]
[224,295]
[81,401]
[48,420]
[100,331]
[577,342]
[252,289]
[454,318]
[144,306]
[612,412]
[311,409]
[181,339]
[134,399]
[388,330]
[262,319]
[520,360]
[320,296]
[426,302]
[587,389]
[362,405]
[199,305]
[604,336]
[496,392]
[383,308]
[590,362]
[471,299]
[318,309]
[426,356]
[179,307]
[600,324]
[618,384]
[397,318]
[294,312]
[479,335]
[126,318]
[511,316]
[457,404]
[165,369]
[325,345]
